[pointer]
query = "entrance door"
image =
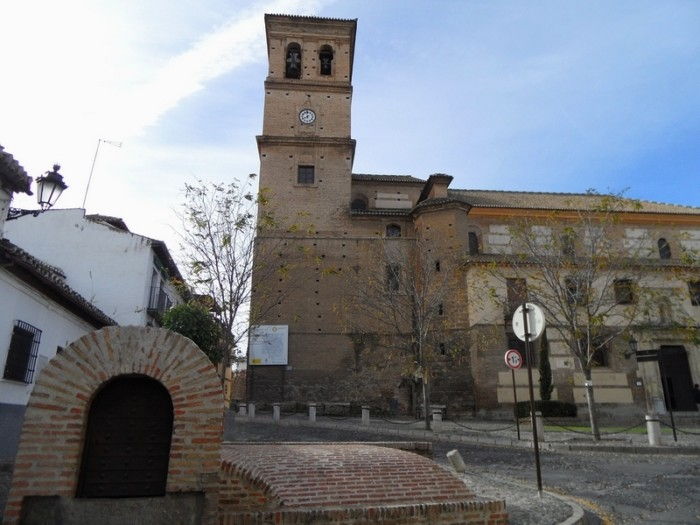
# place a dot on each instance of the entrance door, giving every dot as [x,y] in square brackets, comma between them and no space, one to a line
[675,373]
[127,442]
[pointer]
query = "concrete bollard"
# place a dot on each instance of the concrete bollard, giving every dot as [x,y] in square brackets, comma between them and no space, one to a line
[242,410]
[456,461]
[251,410]
[653,430]
[275,412]
[312,412]
[365,416]
[437,420]
[539,426]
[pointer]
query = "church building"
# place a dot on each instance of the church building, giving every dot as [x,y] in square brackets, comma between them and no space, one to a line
[326,232]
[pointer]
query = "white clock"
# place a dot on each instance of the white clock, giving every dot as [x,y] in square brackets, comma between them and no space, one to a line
[307,116]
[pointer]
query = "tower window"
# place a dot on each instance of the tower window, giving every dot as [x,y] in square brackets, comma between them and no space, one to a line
[664,249]
[393,230]
[624,292]
[473,243]
[358,203]
[325,57]
[305,175]
[292,67]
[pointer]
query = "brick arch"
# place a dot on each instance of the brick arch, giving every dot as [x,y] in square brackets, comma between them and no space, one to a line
[48,458]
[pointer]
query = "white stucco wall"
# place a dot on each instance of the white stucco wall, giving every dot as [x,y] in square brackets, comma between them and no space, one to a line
[58,326]
[109,267]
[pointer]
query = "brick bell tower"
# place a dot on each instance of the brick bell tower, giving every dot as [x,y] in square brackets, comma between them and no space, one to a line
[306,156]
[306,152]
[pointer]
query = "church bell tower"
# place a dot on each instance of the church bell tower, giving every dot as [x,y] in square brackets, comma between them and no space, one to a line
[306,152]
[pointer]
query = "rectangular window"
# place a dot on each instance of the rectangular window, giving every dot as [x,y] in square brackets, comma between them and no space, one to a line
[392,277]
[624,292]
[305,175]
[694,287]
[516,293]
[440,309]
[21,356]
[576,290]
[568,244]
[473,243]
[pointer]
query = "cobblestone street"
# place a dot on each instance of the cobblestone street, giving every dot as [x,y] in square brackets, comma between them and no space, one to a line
[620,487]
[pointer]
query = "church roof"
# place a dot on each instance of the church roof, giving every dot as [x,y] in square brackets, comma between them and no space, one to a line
[558,201]
[370,177]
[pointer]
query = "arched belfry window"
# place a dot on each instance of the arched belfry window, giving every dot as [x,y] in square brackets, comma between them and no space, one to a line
[393,230]
[664,249]
[359,203]
[292,61]
[325,59]
[127,440]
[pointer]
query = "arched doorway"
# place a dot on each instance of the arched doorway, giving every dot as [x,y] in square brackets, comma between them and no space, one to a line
[127,442]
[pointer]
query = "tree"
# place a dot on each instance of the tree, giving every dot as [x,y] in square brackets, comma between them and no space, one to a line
[219,226]
[397,302]
[195,321]
[592,286]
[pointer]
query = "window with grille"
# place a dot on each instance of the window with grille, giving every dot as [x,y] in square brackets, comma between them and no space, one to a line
[305,175]
[624,292]
[393,272]
[694,287]
[21,356]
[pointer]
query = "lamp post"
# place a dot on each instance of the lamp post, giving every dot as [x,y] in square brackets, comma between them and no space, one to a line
[48,189]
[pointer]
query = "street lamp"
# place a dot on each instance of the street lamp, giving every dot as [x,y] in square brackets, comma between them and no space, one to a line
[633,347]
[49,188]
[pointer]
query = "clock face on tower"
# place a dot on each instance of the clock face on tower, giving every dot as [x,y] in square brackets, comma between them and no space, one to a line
[307,116]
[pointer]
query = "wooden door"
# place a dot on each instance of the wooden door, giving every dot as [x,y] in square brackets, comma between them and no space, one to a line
[127,441]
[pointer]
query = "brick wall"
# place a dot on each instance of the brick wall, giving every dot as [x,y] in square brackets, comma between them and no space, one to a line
[48,460]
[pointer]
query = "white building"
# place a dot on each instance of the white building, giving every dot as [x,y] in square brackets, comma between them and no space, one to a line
[124,274]
[39,314]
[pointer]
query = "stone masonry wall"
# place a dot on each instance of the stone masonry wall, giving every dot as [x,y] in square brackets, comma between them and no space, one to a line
[48,460]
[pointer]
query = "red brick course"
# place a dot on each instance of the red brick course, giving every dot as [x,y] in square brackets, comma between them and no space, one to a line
[347,483]
[48,458]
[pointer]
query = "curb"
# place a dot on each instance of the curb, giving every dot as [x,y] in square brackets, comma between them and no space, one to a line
[491,441]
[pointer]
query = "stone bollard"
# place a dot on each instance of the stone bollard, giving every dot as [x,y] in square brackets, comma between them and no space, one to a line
[275,412]
[437,420]
[456,460]
[312,412]
[365,415]
[653,430]
[251,410]
[539,426]
[241,409]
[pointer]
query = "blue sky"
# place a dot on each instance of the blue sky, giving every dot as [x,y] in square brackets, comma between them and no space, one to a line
[540,96]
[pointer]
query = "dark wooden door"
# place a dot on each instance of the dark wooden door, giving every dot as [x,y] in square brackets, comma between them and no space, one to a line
[675,372]
[127,442]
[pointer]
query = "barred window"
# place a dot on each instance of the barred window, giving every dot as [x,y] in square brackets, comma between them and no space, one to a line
[21,356]
[305,175]
[694,287]
[393,274]
[473,243]
[624,292]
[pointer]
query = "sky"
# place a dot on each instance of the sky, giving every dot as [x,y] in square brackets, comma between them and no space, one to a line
[512,95]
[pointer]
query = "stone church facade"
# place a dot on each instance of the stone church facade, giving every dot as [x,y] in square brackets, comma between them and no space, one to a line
[327,225]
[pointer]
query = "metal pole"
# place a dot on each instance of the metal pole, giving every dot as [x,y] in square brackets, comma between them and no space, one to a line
[97,149]
[515,404]
[535,441]
[667,396]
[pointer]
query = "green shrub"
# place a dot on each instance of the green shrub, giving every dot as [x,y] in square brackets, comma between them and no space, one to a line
[548,408]
[196,322]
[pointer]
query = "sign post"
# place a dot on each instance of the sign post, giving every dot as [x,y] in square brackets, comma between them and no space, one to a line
[514,361]
[528,325]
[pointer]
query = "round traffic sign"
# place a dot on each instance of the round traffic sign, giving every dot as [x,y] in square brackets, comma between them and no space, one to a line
[535,322]
[513,359]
